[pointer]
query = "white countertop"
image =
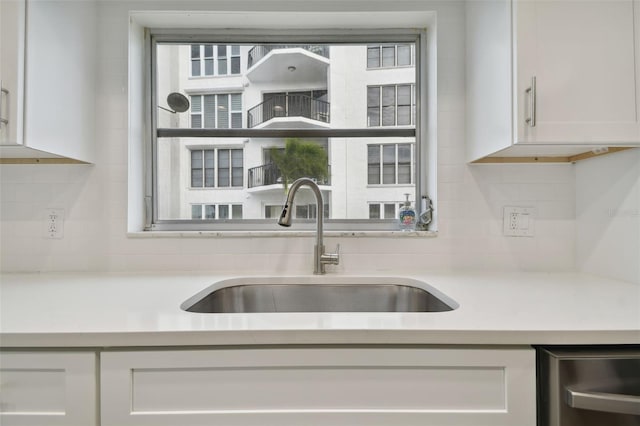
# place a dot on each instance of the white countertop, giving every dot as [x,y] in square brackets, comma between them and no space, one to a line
[141,310]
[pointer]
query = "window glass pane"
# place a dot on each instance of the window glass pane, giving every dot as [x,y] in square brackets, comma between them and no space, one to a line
[389,164]
[209,168]
[235,50]
[209,211]
[237,174]
[195,67]
[223,111]
[209,111]
[208,66]
[208,50]
[235,65]
[404,55]
[223,167]
[196,212]
[236,120]
[196,169]
[388,56]
[389,211]
[223,211]
[404,163]
[236,211]
[302,212]
[222,66]
[196,104]
[196,121]
[373,57]
[373,106]
[374,211]
[195,51]
[388,105]
[373,171]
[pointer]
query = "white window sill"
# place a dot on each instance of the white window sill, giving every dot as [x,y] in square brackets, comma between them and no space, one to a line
[280,234]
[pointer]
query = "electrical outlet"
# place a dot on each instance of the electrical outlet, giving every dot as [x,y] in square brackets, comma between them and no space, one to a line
[54,223]
[518,221]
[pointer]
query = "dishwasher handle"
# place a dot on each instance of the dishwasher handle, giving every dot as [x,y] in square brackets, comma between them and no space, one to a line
[602,401]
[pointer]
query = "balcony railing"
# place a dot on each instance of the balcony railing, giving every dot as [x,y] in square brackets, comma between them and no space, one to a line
[289,106]
[260,51]
[269,174]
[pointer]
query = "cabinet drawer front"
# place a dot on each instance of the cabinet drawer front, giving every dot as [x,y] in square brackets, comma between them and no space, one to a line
[319,386]
[47,388]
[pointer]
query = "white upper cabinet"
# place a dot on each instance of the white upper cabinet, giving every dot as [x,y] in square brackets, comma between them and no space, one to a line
[551,77]
[49,58]
[12,37]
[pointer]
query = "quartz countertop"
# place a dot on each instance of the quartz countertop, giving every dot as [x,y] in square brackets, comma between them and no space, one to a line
[143,310]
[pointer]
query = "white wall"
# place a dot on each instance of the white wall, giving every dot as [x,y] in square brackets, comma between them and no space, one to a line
[608,215]
[470,198]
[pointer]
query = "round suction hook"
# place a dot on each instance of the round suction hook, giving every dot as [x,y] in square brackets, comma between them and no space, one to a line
[178,102]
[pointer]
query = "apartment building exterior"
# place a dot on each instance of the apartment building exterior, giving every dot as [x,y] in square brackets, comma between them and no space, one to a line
[284,87]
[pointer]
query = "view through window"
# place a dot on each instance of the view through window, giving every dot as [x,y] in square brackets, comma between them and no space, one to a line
[260,116]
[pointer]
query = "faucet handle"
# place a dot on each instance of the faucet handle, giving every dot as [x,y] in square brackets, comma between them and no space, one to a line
[331,258]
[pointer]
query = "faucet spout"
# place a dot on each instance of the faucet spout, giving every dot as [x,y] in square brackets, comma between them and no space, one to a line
[320,257]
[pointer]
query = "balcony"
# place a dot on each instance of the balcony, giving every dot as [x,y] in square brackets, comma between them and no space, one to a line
[269,174]
[282,64]
[289,111]
[260,51]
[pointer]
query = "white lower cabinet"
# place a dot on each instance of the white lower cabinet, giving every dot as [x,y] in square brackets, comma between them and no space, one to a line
[319,386]
[48,389]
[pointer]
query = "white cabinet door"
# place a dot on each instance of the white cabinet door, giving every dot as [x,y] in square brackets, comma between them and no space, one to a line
[48,388]
[60,79]
[582,55]
[12,36]
[319,386]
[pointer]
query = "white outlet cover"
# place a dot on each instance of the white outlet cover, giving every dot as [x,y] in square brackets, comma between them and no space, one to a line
[518,221]
[54,223]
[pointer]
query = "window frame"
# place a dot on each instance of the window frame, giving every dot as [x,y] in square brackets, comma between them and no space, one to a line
[215,61]
[380,48]
[231,37]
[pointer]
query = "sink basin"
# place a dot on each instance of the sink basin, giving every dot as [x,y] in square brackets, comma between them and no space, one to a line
[319,294]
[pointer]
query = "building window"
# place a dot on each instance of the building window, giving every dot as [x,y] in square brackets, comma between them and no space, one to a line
[383,210]
[208,60]
[389,56]
[391,105]
[230,168]
[390,164]
[302,211]
[216,211]
[221,111]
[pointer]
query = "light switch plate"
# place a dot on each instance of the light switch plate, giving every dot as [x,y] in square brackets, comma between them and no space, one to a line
[518,221]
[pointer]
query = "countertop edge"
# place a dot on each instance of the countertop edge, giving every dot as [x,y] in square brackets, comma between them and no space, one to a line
[185,339]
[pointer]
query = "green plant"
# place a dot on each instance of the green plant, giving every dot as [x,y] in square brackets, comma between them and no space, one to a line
[300,159]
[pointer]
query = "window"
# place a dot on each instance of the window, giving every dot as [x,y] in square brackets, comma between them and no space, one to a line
[302,211]
[391,105]
[390,164]
[208,60]
[229,168]
[383,210]
[216,111]
[216,211]
[389,56]
[222,147]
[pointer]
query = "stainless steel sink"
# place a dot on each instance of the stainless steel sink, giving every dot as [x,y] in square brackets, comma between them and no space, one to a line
[319,294]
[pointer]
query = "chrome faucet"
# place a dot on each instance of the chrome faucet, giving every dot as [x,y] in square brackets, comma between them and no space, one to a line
[320,258]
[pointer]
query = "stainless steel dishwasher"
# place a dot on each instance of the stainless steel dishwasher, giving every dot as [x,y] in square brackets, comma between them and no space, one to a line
[589,386]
